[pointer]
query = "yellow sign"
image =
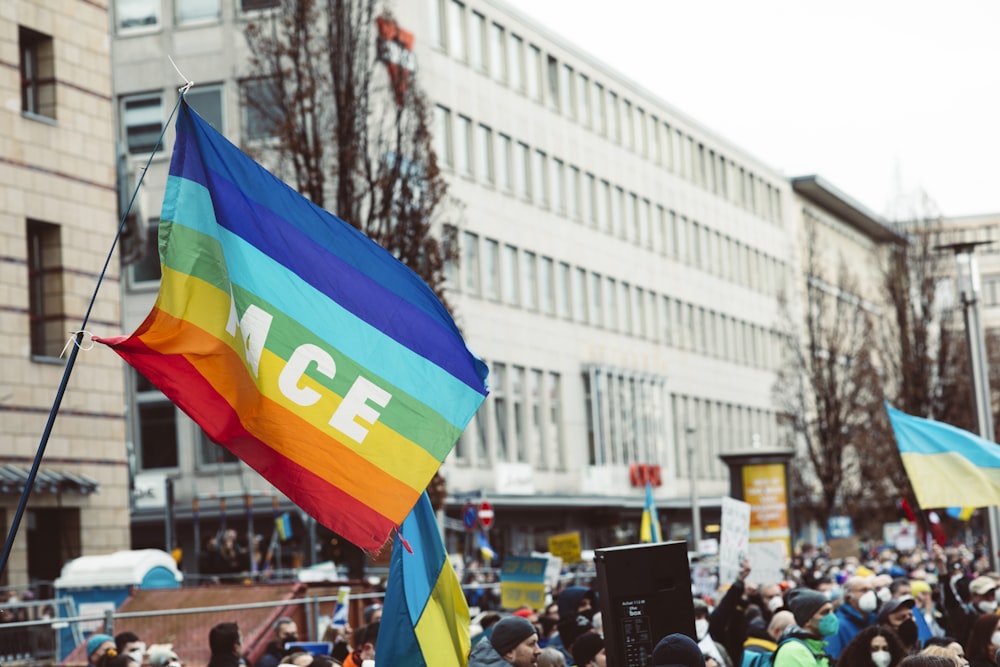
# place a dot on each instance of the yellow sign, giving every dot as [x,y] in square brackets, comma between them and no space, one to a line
[566,546]
[522,582]
[764,488]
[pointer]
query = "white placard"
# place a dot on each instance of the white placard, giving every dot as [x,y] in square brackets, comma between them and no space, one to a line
[734,538]
[767,561]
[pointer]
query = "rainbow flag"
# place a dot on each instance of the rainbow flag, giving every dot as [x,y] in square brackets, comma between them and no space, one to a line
[424,603]
[299,344]
[649,529]
[947,466]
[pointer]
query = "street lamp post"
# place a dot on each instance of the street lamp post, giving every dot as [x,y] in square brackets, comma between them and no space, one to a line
[695,501]
[968,289]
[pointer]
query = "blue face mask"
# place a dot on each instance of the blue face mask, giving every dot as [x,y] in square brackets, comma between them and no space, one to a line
[828,625]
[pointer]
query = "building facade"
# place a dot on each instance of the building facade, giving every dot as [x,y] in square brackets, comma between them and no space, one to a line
[621,272]
[58,218]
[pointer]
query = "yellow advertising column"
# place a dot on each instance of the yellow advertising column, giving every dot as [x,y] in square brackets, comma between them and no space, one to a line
[761,479]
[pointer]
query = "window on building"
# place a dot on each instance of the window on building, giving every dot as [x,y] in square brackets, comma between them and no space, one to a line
[147,268]
[539,188]
[546,278]
[597,108]
[504,177]
[562,290]
[517,400]
[587,196]
[509,275]
[498,53]
[463,146]
[617,206]
[46,303]
[567,98]
[211,454]
[611,304]
[515,63]
[553,436]
[188,11]
[261,113]
[536,428]
[478,56]
[442,136]
[628,126]
[614,126]
[38,76]
[484,154]
[207,102]
[552,74]
[491,269]
[457,46]
[142,116]
[533,73]
[580,295]
[573,193]
[522,171]
[470,262]
[137,13]
[596,300]
[529,279]
[501,411]
[583,100]
[558,185]
[256,5]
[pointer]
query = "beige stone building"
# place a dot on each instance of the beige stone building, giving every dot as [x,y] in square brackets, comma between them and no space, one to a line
[58,216]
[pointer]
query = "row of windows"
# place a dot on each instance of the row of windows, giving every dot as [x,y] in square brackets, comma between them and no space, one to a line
[518,277]
[145,14]
[520,421]
[625,416]
[488,47]
[497,160]
[710,428]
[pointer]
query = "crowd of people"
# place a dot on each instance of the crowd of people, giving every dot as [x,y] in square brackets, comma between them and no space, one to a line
[922,608]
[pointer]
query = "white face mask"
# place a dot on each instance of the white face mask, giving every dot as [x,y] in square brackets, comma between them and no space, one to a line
[868,602]
[884,594]
[701,628]
[775,603]
[995,639]
[988,607]
[881,658]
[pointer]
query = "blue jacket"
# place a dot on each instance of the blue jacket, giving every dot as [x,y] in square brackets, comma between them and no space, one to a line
[484,655]
[852,622]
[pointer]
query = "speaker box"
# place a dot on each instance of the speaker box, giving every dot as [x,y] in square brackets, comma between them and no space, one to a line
[645,595]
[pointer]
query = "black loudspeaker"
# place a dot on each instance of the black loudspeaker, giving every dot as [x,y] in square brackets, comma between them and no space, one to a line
[645,595]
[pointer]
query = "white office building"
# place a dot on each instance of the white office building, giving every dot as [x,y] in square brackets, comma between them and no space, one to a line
[620,274]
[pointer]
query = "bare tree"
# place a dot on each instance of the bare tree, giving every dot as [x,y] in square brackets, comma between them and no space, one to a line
[350,137]
[830,390]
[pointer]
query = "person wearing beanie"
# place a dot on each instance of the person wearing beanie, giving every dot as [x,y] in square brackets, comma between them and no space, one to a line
[804,643]
[97,646]
[514,641]
[589,648]
[677,650]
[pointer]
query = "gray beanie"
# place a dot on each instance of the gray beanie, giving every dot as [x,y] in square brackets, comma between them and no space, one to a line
[509,632]
[804,603]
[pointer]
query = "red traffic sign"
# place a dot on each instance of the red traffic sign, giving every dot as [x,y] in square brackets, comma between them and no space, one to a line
[485,514]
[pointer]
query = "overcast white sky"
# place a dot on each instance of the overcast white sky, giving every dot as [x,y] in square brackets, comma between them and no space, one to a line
[879,97]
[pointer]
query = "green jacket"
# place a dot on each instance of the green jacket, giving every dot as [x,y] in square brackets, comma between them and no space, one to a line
[801,650]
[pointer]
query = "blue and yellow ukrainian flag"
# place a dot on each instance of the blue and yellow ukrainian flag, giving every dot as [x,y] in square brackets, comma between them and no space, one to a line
[947,467]
[424,604]
[649,530]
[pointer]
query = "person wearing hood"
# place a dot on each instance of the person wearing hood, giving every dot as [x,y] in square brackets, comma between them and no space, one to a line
[855,614]
[572,603]
[514,641]
[803,644]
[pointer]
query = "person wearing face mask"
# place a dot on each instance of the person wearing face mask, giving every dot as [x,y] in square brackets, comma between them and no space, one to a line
[873,647]
[984,641]
[960,617]
[856,613]
[803,644]
[285,630]
[897,615]
[706,642]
